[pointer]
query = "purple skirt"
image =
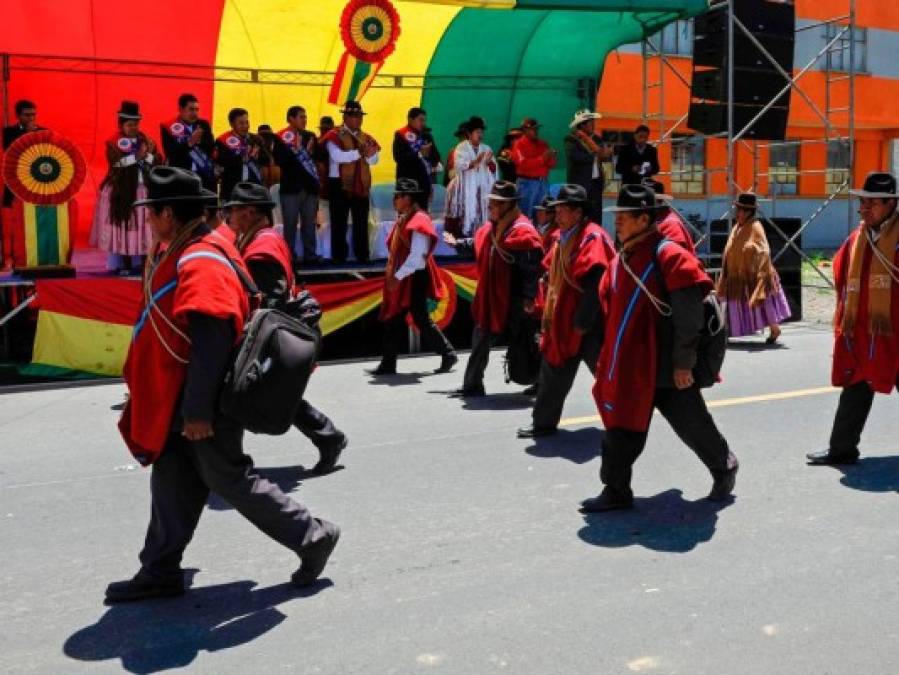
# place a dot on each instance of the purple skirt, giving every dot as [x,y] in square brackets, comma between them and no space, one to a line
[745,320]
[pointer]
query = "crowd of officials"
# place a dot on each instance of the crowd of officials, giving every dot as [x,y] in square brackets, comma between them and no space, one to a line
[633,309]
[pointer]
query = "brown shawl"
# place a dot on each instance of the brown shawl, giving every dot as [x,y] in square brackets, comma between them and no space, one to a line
[880,277]
[356,176]
[747,272]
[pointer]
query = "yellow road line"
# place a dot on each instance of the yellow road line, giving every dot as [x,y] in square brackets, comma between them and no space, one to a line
[723,403]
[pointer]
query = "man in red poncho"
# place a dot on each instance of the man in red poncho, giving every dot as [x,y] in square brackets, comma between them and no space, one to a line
[866,321]
[508,252]
[410,279]
[193,315]
[572,321]
[668,221]
[652,299]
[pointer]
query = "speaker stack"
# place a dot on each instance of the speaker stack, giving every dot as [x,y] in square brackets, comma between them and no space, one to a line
[756,81]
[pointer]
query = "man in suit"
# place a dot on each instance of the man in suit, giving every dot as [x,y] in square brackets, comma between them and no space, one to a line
[415,154]
[187,141]
[26,122]
[638,159]
[585,152]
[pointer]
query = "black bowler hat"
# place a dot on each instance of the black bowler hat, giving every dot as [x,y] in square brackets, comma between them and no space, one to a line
[546,204]
[129,110]
[352,108]
[878,185]
[503,191]
[529,123]
[571,195]
[170,184]
[406,186]
[249,194]
[659,189]
[634,198]
[747,200]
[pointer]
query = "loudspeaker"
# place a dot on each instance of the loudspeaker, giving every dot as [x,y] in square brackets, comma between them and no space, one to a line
[751,87]
[711,50]
[759,16]
[788,266]
[711,118]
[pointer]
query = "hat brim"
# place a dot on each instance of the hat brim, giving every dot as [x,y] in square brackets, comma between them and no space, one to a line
[128,116]
[567,202]
[873,195]
[577,122]
[266,204]
[497,198]
[622,209]
[206,196]
[353,112]
[664,197]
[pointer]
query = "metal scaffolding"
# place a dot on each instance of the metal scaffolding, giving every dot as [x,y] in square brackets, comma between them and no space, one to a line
[836,113]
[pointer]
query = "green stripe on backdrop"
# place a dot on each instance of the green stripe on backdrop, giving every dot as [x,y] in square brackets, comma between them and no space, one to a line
[360,72]
[532,63]
[47,229]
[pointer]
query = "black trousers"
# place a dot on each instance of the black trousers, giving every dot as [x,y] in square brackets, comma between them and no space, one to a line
[181,482]
[317,427]
[395,328]
[342,206]
[849,422]
[594,194]
[481,343]
[687,414]
[555,382]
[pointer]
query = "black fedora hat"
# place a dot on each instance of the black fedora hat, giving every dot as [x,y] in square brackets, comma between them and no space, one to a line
[878,185]
[352,108]
[546,204]
[406,186]
[634,198]
[658,188]
[171,184]
[747,200]
[570,195]
[249,194]
[503,191]
[129,110]
[529,123]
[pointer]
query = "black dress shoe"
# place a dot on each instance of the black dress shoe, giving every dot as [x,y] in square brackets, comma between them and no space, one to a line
[143,587]
[469,392]
[531,391]
[827,458]
[315,556]
[723,487]
[531,431]
[329,457]
[381,370]
[447,362]
[608,500]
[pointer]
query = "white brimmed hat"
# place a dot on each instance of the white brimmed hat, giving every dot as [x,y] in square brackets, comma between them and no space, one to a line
[582,116]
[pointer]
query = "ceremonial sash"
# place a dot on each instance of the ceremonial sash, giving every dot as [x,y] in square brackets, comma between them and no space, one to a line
[241,147]
[416,142]
[181,132]
[294,141]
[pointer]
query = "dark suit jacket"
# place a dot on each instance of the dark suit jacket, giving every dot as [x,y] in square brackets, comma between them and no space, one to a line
[630,157]
[294,178]
[410,165]
[580,162]
[178,153]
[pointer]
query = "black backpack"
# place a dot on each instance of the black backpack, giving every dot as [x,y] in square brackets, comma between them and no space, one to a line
[272,363]
[522,362]
[712,344]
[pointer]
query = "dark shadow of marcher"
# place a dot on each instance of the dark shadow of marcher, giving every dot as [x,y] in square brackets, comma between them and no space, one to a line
[871,474]
[398,380]
[580,446]
[746,346]
[666,522]
[288,478]
[511,401]
[157,635]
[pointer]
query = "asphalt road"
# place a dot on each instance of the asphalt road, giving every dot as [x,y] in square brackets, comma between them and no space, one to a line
[462,549]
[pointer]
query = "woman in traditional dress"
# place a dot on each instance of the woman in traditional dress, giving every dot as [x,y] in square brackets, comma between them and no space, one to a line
[748,283]
[119,229]
[475,175]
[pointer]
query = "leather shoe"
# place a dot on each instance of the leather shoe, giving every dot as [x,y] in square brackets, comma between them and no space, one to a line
[329,457]
[531,391]
[608,500]
[469,392]
[531,431]
[381,370]
[723,487]
[826,458]
[447,362]
[143,587]
[315,556]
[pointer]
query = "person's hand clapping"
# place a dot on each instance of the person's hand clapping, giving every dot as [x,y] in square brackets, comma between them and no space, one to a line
[450,239]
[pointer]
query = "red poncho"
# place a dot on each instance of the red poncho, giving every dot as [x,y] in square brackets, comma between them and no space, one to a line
[861,356]
[269,245]
[673,228]
[490,307]
[626,373]
[560,340]
[200,280]
[399,242]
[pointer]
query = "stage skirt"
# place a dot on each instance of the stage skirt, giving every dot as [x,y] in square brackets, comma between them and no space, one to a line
[131,239]
[745,320]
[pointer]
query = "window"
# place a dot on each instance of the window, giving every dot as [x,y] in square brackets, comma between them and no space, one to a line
[617,139]
[837,166]
[688,165]
[675,39]
[783,166]
[839,56]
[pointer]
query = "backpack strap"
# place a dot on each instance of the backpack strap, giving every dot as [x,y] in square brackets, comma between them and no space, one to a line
[245,279]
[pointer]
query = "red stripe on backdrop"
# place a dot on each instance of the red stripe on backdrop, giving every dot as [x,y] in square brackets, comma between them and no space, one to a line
[109,300]
[80,103]
[335,295]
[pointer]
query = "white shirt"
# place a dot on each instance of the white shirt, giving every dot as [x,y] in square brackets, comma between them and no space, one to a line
[339,156]
[418,256]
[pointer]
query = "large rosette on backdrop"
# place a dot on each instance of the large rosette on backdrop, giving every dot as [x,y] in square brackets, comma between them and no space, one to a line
[44,170]
[369,30]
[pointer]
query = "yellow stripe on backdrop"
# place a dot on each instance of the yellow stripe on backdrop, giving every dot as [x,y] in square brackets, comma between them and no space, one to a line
[29,213]
[304,35]
[81,344]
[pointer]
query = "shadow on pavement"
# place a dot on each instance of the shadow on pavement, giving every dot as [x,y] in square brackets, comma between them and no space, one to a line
[666,522]
[744,346]
[158,635]
[515,401]
[398,380]
[578,446]
[872,474]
